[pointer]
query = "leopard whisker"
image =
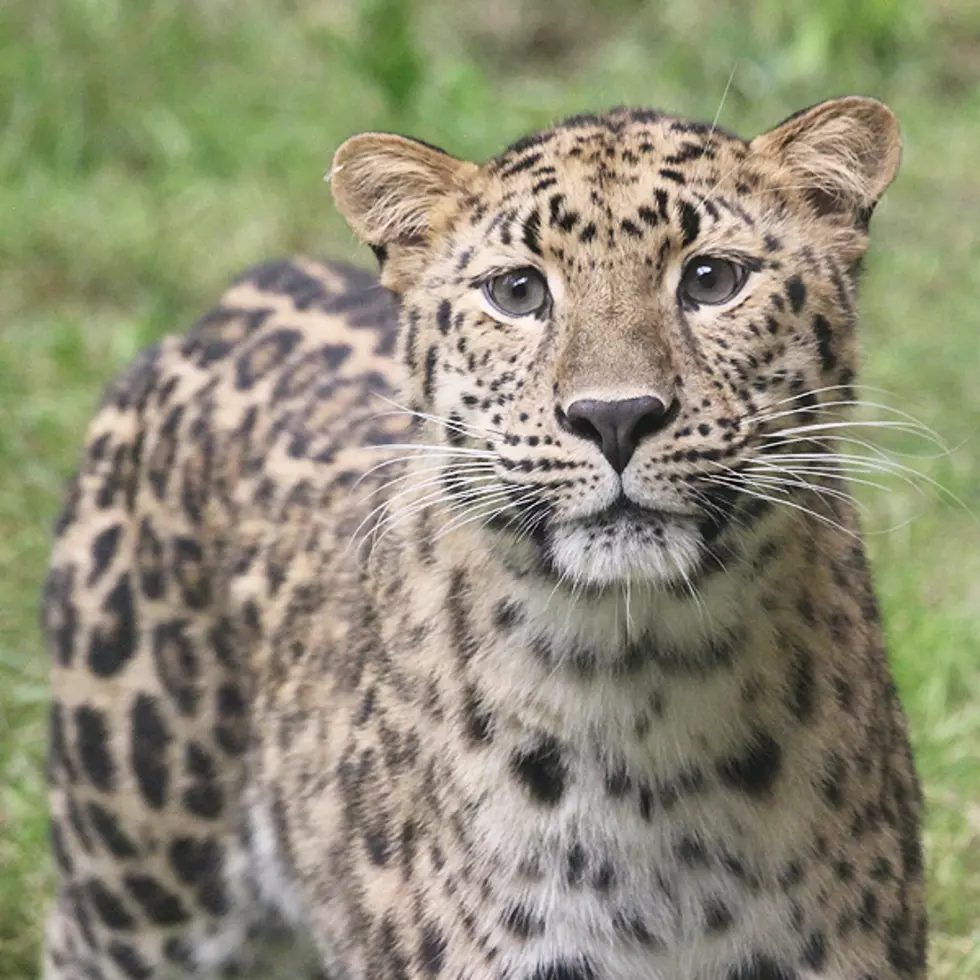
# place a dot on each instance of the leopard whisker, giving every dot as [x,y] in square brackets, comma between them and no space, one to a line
[433,448]
[387,503]
[703,612]
[464,518]
[876,462]
[711,132]
[905,473]
[888,530]
[792,481]
[776,439]
[526,520]
[409,457]
[391,513]
[825,407]
[781,481]
[460,428]
[706,197]
[456,424]
[811,471]
[711,507]
[831,441]
[509,523]
[812,392]
[417,504]
[449,470]
[846,464]
[782,501]
[857,424]
[532,518]
[393,520]
[520,522]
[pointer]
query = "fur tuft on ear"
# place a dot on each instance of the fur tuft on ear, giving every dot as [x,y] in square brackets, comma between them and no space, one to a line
[392,190]
[843,153]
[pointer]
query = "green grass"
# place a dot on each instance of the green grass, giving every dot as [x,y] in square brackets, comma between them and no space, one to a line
[149,151]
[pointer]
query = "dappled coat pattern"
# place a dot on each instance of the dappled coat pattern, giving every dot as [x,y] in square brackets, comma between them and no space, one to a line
[507,619]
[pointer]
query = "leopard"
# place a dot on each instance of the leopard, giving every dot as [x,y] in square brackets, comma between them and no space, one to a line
[505,614]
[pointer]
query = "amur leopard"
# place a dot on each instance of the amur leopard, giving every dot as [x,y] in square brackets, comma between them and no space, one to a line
[506,618]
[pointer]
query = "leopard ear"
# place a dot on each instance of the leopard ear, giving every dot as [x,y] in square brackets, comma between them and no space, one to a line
[843,153]
[396,193]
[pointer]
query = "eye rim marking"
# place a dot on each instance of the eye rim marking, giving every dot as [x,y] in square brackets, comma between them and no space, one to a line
[487,284]
[739,268]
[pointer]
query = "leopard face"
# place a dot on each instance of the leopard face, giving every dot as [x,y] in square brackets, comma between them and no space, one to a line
[618,327]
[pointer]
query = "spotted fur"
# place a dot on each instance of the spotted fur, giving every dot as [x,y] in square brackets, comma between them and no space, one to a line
[368,664]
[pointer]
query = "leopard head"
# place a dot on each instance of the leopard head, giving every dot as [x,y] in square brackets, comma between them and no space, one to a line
[619,323]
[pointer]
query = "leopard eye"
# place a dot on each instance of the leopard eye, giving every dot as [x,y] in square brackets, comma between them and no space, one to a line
[710,281]
[520,292]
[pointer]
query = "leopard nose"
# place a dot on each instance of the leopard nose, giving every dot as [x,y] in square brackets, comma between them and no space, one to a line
[618,426]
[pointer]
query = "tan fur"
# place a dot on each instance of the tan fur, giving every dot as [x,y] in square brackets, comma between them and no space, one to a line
[849,148]
[374,654]
[397,192]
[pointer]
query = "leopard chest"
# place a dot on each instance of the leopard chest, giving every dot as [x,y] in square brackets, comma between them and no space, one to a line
[638,811]
[633,861]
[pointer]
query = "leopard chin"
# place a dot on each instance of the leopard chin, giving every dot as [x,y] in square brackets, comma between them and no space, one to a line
[625,545]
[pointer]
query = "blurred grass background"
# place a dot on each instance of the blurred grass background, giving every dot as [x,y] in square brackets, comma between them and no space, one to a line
[149,150]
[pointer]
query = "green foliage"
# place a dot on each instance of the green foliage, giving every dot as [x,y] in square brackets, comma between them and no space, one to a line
[386,54]
[148,151]
[809,39]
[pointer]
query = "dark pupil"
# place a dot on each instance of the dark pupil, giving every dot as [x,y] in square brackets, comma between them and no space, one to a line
[519,287]
[707,276]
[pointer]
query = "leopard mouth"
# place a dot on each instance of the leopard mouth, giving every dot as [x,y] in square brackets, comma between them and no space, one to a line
[622,541]
[625,512]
